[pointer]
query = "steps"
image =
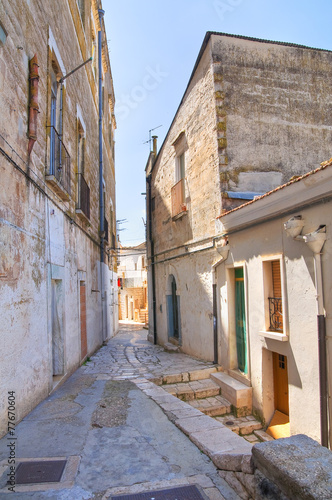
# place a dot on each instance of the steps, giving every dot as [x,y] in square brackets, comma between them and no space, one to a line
[217,395]
[238,394]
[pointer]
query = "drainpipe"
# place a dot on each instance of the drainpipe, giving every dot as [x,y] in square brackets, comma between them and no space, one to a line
[153,275]
[101,195]
[315,242]
[322,351]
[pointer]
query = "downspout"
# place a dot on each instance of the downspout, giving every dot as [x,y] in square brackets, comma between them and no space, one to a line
[321,323]
[315,242]
[153,275]
[101,194]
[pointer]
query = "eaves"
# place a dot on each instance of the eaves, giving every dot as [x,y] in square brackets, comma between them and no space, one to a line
[312,188]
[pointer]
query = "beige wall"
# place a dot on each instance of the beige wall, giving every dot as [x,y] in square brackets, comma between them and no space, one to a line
[249,248]
[46,243]
[274,105]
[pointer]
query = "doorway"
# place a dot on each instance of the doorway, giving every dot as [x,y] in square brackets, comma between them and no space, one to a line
[173,308]
[84,345]
[57,328]
[240,321]
[280,380]
[279,426]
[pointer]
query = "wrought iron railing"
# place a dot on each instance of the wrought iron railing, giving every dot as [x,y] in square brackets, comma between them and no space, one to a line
[83,198]
[178,198]
[59,165]
[275,311]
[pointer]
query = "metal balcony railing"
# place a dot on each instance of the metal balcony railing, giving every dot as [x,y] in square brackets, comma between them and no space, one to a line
[178,198]
[275,312]
[83,199]
[59,165]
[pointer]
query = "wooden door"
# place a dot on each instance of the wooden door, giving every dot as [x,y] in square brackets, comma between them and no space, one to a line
[280,376]
[84,345]
[240,321]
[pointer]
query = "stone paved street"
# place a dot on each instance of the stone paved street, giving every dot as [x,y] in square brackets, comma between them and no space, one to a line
[114,436]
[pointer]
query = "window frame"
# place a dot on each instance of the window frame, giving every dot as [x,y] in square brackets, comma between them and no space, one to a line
[268,293]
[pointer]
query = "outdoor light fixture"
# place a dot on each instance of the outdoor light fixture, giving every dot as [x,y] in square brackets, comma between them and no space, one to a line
[294,226]
[316,239]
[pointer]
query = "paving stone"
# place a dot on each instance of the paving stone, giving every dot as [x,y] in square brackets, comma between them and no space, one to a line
[237,486]
[263,436]
[249,427]
[213,494]
[195,424]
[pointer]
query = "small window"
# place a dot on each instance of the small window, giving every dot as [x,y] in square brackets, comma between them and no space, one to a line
[3,35]
[273,296]
[81,8]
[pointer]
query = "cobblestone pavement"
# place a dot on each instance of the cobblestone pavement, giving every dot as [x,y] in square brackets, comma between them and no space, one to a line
[129,355]
[108,427]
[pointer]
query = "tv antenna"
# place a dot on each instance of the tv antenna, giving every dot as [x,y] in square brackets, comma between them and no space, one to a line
[150,137]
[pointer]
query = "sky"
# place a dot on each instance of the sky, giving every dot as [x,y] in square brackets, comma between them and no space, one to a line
[153,46]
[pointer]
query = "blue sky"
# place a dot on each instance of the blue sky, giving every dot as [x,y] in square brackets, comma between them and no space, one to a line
[153,47]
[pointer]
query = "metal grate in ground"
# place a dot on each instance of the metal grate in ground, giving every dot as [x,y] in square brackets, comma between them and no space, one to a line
[180,493]
[40,472]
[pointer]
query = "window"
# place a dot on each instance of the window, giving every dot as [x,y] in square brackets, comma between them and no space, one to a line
[81,8]
[3,35]
[274,314]
[83,190]
[275,302]
[178,191]
[58,168]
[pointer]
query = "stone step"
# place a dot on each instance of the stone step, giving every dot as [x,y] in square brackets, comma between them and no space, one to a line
[198,389]
[212,406]
[241,425]
[238,394]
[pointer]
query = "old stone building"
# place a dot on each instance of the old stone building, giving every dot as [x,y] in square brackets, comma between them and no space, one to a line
[254,115]
[132,276]
[57,203]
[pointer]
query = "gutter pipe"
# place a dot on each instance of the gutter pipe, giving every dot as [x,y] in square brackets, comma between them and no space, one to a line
[101,193]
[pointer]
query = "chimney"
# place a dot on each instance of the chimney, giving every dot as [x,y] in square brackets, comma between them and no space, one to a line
[155,137]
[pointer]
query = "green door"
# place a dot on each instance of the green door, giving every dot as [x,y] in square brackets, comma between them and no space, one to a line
[240,321]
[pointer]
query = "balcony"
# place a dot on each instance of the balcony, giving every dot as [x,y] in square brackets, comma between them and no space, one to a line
[58,171]
[178,199]
[275,312]
[83,198]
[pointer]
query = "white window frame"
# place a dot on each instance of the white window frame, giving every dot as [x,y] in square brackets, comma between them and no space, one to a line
[267,286]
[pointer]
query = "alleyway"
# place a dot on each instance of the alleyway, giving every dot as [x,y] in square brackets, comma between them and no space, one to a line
[115,438]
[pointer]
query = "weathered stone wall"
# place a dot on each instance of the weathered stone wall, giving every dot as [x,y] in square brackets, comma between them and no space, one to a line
[196,118]
[48,248]
[274,111]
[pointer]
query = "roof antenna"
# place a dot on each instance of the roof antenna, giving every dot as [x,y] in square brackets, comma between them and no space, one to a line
[150,136]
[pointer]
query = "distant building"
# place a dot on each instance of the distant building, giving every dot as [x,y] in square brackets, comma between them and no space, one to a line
[132,284]
[58,281]
[255,114]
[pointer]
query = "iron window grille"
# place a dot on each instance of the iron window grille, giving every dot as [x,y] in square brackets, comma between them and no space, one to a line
[83,202]
[275,312]
[59,165]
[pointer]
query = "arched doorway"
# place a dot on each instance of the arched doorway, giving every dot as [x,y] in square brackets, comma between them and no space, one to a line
[173,309]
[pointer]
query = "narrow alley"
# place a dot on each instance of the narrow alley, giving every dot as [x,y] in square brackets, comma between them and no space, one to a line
[115,438]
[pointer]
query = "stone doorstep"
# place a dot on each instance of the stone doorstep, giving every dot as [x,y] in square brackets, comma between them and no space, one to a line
[238,394]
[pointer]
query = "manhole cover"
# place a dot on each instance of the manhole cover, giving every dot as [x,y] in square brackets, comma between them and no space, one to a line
[229,422]
[48,471]
[181,493]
